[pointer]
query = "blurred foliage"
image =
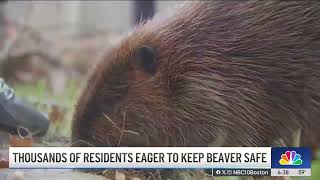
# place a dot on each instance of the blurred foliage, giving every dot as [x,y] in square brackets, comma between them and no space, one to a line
[40,92]
[315,172]
[59,109]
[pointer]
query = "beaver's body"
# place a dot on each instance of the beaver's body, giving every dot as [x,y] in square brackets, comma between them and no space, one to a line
[249,69]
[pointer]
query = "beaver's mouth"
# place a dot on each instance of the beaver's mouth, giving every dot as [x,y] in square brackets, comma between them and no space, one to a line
[103,136]
[132,140]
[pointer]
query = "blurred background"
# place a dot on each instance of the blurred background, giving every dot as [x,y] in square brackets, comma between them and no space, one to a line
[47,48]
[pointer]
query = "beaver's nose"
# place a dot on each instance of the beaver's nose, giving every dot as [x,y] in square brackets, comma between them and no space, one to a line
[15,113]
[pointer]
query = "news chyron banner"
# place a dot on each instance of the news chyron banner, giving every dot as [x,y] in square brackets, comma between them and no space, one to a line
[217,161]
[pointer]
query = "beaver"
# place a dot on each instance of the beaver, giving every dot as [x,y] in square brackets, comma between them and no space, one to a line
[249,70]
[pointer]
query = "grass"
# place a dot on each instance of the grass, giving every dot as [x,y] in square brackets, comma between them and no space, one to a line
[315,172]
[41,93]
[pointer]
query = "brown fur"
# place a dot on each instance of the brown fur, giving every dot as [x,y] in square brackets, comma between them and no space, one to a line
[247,69]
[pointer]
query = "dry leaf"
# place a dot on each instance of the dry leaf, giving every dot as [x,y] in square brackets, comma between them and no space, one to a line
[56,114]
[4,159]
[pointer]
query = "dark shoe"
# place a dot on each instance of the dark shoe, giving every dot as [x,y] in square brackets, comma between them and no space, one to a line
[15,114]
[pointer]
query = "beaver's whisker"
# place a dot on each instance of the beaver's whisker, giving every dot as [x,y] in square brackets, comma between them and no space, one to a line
[80,140]
[121,132]
[184,139]
[132,132]
[113,123]
[120,138]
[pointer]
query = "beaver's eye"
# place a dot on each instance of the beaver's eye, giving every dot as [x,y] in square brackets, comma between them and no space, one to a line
[146,59]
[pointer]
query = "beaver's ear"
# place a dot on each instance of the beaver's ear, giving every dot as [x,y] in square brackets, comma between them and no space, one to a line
[146,58]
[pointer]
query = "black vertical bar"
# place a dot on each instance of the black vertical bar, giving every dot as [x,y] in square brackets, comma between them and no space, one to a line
[143,10]
[2,14]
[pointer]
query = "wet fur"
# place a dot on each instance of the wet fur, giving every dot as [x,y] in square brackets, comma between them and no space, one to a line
[249,69]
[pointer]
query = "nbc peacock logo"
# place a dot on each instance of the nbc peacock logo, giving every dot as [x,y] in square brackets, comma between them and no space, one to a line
[291,158]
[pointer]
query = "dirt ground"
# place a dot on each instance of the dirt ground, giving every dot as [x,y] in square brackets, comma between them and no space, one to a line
[42,174]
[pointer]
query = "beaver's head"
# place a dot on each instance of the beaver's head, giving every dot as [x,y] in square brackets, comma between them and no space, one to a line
[166,84]
[145,92]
